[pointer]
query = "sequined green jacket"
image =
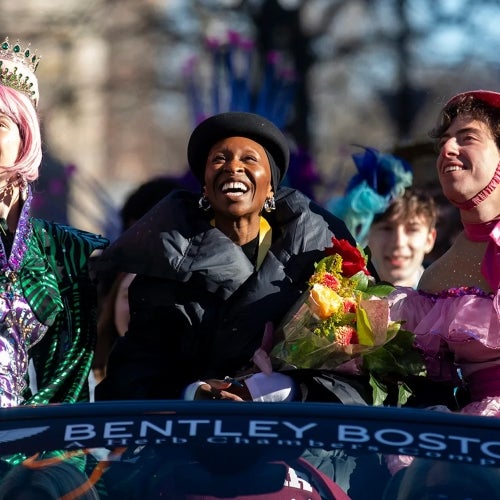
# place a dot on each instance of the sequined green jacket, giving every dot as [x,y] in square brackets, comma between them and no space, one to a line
[55,278]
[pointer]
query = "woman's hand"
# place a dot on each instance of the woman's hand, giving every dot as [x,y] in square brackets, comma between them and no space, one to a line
[222,389]
[261,357]
[262,361]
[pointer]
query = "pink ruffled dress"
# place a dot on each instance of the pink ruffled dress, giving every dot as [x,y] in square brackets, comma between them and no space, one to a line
[458,328]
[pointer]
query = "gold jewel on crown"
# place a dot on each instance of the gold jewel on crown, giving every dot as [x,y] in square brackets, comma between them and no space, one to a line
[17,67]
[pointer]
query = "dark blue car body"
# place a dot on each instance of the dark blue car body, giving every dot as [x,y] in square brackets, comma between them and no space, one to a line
[179,449]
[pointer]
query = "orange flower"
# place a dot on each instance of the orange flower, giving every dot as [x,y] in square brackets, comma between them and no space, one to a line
[324,301]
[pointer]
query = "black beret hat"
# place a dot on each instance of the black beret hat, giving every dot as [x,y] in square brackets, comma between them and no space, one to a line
[237,124]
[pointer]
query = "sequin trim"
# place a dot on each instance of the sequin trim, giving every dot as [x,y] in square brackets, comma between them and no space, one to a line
[21,237]
[457,292]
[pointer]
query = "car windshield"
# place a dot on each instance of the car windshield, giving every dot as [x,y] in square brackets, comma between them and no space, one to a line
[207,450]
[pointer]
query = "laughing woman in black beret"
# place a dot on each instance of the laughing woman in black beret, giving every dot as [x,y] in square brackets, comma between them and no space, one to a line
[213,270]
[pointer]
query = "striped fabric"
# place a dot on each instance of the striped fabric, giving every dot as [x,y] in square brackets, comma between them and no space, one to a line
[56,282]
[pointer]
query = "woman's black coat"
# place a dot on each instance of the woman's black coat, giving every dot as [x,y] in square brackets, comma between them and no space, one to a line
[198,306]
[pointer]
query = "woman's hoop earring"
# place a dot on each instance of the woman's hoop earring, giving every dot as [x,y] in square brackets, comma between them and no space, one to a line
[203,203]
[270,204]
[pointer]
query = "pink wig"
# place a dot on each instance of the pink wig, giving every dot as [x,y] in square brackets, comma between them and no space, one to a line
[21,110]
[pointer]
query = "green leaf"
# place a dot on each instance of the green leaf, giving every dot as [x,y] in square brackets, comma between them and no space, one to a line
[379,391]
[404,393]
[361,281]
[398,357]
[379,361]
[380,290]
[409,359]
[363,328]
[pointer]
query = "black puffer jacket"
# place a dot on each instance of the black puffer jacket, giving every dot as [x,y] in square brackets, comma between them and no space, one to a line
[198,307]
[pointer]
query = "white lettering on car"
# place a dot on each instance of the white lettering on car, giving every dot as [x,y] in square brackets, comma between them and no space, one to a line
[260,432]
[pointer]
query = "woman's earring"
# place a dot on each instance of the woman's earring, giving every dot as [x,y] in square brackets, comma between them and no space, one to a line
[203,203]
[270,204]
[23,187]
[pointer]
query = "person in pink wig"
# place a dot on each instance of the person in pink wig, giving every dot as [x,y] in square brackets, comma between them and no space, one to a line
[47,299]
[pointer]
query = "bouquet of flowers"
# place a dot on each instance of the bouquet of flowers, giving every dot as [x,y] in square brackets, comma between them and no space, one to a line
[343,319]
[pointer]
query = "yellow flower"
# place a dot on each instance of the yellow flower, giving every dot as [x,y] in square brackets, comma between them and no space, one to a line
[324,301]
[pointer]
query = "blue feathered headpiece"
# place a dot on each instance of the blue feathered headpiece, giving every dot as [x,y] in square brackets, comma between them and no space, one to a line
[380,179]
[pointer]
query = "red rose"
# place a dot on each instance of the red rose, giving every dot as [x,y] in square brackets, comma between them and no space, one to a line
[352,259]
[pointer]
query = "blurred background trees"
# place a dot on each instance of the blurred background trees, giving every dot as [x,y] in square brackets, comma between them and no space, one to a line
[119,77]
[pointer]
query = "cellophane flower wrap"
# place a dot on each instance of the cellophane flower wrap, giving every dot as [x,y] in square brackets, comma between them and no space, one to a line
[344,316]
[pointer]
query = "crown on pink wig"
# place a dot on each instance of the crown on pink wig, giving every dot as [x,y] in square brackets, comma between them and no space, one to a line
[17,69]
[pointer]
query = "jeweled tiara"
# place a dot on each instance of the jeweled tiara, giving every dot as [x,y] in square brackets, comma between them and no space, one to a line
[17,68]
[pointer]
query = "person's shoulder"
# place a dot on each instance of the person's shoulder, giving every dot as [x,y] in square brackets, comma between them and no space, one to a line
[298,203]
[291,204]
[66,236]
[295,201]
[286,193]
